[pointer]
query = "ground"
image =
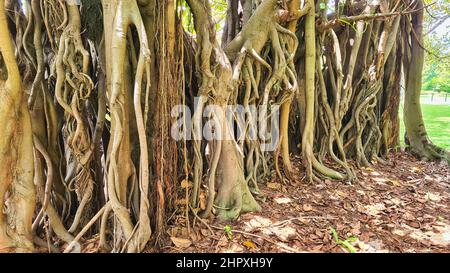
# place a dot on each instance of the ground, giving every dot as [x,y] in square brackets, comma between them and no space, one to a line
[402,206]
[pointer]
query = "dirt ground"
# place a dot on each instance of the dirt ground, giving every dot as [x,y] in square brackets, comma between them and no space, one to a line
[400,206]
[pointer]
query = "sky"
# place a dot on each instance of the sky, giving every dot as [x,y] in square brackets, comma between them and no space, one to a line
[444,29]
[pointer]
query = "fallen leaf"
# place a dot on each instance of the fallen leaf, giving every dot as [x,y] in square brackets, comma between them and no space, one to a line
[282,200]
[379,180]
[414,224]
[205,232]
[395,182]
[223,241]
[342,194]
[340,227]
[396,201]
[408,216]
[283,233]
[194,237]
[307,207]
[249,244]
[432,197]
[375,174]
[347,206]
[181,242]
[257,222]
[234,248]
[375,246]
[374,210]
[304,221]
[399,232]
[275,186]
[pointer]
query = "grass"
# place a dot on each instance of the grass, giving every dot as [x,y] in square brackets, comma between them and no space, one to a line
[437,123]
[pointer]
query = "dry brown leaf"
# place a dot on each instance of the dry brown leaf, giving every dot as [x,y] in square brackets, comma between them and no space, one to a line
[205,232]
[234,248]
[257,222]
[375,209]
[380,179]
[282,200]
[283,233]
[304,221]
[223,241]
[194,237]
[181,242]
[408,216]
[373,173]
[416,169]
[275,186]
[342,194]
[395,183]
[347,206]
[307,207]
[432,197]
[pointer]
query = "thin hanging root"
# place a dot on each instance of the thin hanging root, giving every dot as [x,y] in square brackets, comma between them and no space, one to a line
[333,134]
[277,167]
[103,228]
[216,149]
[47,207]
[77,87]
[128,14]
[50,173]
[261,60]
[74,242]
[198,158]
[211,179]
[37,38]
[27,33]
[86,197]
[144,231]
[283,70]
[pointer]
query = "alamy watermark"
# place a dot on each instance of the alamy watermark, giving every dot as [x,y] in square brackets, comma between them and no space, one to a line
[230,122]
[74,2]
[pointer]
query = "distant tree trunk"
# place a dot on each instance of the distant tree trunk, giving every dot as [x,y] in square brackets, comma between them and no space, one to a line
[417,136]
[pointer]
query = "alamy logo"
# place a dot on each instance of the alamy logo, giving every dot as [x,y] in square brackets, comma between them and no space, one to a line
[230,122]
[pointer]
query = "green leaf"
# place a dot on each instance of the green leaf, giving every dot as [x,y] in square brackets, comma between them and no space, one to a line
[348,246]
[352,239]
[227,229]
[335,235]
[323,6]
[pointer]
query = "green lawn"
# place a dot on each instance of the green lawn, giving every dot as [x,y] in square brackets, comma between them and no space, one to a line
[437,123]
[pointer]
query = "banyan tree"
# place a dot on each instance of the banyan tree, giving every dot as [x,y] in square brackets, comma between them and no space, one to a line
[89,92]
